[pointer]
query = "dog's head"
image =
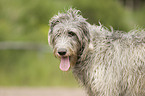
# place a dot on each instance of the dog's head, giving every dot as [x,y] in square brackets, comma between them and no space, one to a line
[69,37]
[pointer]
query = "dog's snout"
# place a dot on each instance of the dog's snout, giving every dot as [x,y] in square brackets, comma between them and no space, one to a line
[62,51]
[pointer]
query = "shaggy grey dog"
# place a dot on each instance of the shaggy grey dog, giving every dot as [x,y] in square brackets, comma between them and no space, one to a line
[107,63]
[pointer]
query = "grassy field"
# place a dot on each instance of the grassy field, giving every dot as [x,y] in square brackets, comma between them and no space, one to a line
[30,68]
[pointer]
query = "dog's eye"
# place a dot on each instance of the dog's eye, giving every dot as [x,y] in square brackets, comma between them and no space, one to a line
[70,34]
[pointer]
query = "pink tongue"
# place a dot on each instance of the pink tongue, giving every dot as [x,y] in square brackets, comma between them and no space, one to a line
[64,64]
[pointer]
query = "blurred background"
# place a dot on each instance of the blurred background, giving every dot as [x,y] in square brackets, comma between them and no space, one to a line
[25,57]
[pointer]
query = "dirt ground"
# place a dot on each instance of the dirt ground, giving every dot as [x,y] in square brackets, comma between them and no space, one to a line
[21,91]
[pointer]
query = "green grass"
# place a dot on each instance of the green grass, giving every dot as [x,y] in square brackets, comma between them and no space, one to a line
[30,68]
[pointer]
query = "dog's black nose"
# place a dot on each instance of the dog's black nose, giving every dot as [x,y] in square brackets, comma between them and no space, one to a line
[62,51]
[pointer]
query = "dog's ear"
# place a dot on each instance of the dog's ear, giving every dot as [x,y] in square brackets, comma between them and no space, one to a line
[52,23]
[86,33]
[50,37]
[85,39]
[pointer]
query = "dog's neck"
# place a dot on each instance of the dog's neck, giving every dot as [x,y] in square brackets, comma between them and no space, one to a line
[82,54]
[80,67]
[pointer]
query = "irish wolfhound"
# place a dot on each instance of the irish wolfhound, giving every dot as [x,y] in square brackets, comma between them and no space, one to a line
[107,63]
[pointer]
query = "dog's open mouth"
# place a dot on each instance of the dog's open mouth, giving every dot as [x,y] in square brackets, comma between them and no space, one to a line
[65,63]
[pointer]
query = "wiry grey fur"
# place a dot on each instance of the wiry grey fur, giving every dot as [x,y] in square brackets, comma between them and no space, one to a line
[107,63]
